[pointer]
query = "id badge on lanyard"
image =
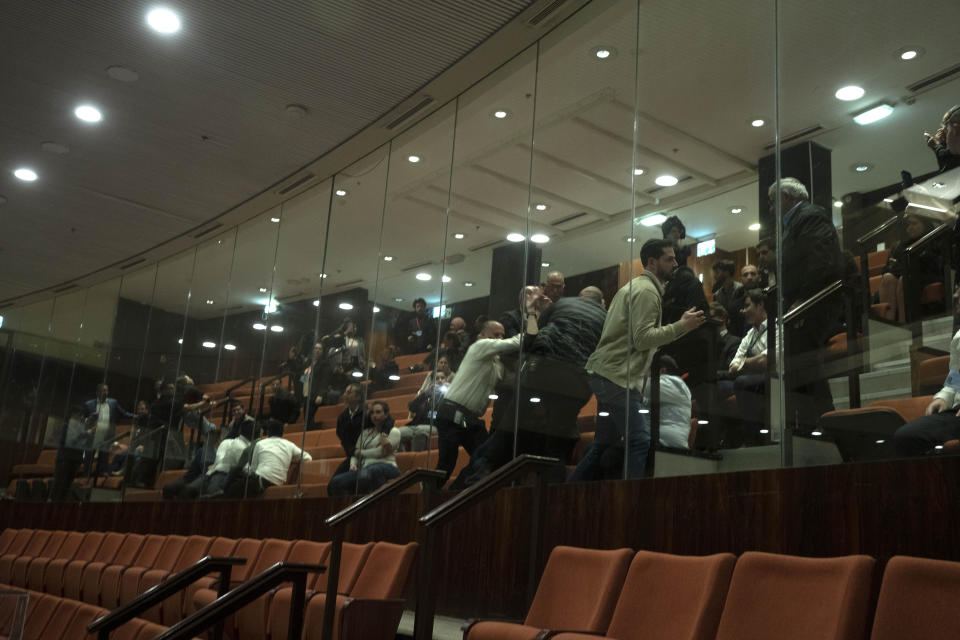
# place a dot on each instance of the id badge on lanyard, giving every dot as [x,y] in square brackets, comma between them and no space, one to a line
[953,380]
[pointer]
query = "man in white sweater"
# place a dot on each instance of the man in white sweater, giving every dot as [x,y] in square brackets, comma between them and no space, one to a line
[269,463]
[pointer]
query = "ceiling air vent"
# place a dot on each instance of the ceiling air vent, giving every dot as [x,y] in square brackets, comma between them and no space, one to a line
[133,264]
[936,79]
[486,245]
[455,258]
[545,13]
[409,113]
[65,287]
[212,227]
[239,307]
[296,184]
[419,265]
[289,297]
[793,137]
[349,282]
[575,216]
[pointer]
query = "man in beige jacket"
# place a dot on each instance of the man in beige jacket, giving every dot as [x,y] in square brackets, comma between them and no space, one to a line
[619,368]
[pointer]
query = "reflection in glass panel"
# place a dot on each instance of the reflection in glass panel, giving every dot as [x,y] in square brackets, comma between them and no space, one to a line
[867,204]
[348,325]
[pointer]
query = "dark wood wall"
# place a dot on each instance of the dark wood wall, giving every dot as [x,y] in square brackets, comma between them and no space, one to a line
[881,509]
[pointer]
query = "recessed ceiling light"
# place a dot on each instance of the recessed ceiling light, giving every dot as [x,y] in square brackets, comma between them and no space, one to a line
[736,209]
[515,237]
[263,289]
[541,206]
[909,53]
[848,93]
[424,276]
[398,299]
[274,219]
[209,344]
[259,326]
[357,374]
[874,114]
[25,174]
[276,328]
[630,239]
[209,301]
[888,200]
[754,227]
[230,347]
[838,203]
[388,258]
[54,147]
[394,377]
[88,113]
[639,171]
[467,283]
[295,111]
[604,53]
[666,180]
[179,340]
[445,278]
[414,159]
[341,192]
[123,74]
[346,306]
[861,167]
[540,238]
[544,264]
[757,122]
[653,220]
[534,399]
[163,20]
[316,303]
[323,275]
[500,114]
[816,433]
[459,236]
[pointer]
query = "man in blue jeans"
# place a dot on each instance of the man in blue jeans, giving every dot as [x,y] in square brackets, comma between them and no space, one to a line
[619,368]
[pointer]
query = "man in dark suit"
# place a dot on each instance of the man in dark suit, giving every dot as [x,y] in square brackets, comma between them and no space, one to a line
[317,384]
[102,414]
[812,259]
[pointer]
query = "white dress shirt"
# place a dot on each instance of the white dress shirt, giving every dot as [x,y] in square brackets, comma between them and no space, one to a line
[228,455]
[479,372]
[753,344]
[272,457]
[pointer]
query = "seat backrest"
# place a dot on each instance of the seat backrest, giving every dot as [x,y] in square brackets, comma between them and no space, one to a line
[54,542]
[148,553]
[39,612]
[309,552]
[37,543]
[272,552]
[919,599]
[6,538]
[221,548]
[579,588]
[166,558]
[792,598]
[19,542]
[385,573]
[194,548]
[121,548]
[150,631]
[246,548]
[77,627]
[60,619]
[47,457]
[908,408]
[352,559]
[92,540]
[682,597]
[71,543]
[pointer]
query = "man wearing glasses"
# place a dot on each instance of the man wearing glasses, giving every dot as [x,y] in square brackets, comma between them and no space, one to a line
[946,141]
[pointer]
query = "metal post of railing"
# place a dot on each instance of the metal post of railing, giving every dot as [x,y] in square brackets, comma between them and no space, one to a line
[537,514]
[854,355]
[297,602]
[333,579]
[426,607]
[222,588]
[651,465]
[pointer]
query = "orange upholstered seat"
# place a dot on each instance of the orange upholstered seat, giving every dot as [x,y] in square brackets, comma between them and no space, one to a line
[919,600]
[578,592]
[792,598]
[106,592]
[19,567]
[35,577]
[116,546]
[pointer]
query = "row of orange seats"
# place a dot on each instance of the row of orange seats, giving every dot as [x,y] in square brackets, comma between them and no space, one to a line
[589,593]
[108,570]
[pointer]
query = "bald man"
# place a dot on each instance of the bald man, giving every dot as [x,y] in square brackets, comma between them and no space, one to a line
[554,285]
[595,294]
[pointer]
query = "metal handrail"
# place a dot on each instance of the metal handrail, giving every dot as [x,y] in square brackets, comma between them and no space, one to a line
[178,582]
[911,289]
[437,517]
[804,307]
[242,383]
[930,236]
[339,519]
[216,611]
[869,235]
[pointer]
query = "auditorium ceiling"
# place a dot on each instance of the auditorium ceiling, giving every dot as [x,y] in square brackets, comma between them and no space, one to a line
[204,129]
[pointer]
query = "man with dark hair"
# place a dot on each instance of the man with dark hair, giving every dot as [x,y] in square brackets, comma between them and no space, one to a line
[619,368]
[269,463]
[749,371]
[750,277]
[767,263]
[729,293]
[350,423]
[421,329]
[946,141]
[213,482]
[726,342]
[811,259]
[318,376]
[102,415]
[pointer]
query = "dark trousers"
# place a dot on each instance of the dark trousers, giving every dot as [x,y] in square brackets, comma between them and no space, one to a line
[246,486]
[751,391]
[498,450]
[808,392]
[923,434]
[451,437]
[309,413]
[64,472]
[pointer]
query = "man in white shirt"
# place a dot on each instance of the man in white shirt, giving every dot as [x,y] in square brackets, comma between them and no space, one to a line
[102,415]
[749,366]
[213,482]
[269,463]
[458,419]
[676,406]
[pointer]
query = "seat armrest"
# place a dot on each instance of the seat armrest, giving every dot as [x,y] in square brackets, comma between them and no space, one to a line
[371,618]
[546,634]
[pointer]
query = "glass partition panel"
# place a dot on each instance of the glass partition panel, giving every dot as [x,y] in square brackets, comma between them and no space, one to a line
[863,212]
[346,322]
[487,263]
[125,374]
[298,288]
[410,316]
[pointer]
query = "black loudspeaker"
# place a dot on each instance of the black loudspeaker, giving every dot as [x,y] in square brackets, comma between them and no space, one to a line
[809,163]
[509,273]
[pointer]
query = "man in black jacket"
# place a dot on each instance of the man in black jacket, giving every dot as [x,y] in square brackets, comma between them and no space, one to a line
[318,377]
[350,423]
[810,250]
